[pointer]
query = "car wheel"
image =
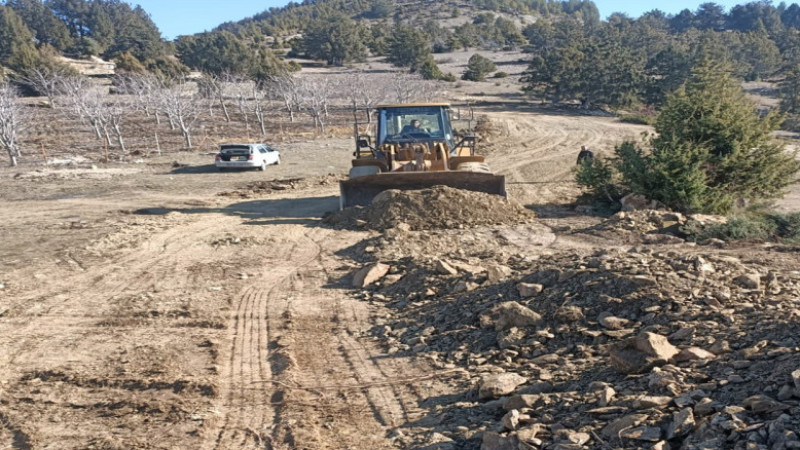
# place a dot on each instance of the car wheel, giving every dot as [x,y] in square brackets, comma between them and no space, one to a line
[263,166]
[278,161]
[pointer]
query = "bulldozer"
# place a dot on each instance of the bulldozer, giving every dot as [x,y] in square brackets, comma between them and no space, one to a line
[414,146]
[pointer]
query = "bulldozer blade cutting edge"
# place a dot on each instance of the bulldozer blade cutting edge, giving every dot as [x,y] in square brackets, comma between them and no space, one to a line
[361,190]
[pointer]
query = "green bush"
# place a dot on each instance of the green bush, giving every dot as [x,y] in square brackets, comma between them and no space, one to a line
[478,67]
[754,227]
[501,74]
[636,119]
[600,179]
[711,149]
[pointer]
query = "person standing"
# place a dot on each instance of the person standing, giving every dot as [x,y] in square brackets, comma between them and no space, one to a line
[585,156]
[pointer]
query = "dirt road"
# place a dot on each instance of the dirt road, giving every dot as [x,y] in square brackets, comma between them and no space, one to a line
[142,309]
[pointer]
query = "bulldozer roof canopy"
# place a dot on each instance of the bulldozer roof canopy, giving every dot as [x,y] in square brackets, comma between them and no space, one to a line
[412,105]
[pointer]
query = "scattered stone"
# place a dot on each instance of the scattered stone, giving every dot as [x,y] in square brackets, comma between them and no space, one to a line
[640,353]
[682,423]
[763,404]
[572,437]
[651,401]
[498,273]
[498,385]
[370,274]
[613,429]
[529,289]
[694,354]
[510,314]
[749,281]
[494,441]
[614,323]
[521,401]
[511,420]
[606,396]
[652,434]
[443,268]
[634,202]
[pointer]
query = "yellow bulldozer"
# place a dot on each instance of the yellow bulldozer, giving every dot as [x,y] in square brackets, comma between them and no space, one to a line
[414,146]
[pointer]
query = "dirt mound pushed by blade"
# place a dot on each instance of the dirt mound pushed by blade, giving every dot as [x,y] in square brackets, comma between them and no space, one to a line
[435,208]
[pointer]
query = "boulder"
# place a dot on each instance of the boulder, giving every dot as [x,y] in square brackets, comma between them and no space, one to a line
[498,385]
[370,274]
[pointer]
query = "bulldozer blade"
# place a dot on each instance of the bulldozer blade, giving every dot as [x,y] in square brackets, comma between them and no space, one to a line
[361,190]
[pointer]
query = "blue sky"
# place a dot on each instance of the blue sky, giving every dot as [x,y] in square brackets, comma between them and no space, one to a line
[176,17]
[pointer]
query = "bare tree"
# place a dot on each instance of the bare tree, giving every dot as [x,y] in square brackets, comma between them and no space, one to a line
[212,87]
[315,94]
[287,88]
[13,118]
[143,88]
[365,91]
[181,104]
[260,105]
[83,99]
[45,81]
[114,113]
[403,85]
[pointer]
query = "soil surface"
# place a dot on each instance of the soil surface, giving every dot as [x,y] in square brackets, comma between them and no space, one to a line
[163,304]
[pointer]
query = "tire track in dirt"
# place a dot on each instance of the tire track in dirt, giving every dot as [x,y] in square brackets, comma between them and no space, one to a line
[536,152]
[252,402]
[337,379]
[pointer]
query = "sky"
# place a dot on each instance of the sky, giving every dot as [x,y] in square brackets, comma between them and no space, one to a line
[178,17]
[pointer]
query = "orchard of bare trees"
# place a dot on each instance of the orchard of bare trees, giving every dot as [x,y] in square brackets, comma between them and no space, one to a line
[145,113]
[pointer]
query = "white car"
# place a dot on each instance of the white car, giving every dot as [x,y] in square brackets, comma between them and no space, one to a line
[246,156]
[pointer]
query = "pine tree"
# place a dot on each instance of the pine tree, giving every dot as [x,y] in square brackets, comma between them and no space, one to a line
[713,148]
[408,47]
[16,42]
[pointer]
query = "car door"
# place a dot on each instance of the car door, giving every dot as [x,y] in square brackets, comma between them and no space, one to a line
[272,155]
[263,156]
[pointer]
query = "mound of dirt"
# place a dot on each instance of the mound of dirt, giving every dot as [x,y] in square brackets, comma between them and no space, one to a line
[440,207]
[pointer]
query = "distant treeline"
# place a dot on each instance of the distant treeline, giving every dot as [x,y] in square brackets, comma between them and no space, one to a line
[574,55]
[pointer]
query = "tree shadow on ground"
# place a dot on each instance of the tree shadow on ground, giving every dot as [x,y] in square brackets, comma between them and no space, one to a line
[206,168]
[284,211]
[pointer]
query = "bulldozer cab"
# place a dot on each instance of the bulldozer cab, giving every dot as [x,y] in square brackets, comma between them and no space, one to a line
[413,123]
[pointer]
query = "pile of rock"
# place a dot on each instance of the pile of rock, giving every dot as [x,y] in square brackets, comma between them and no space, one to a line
[673,349]
[439,207]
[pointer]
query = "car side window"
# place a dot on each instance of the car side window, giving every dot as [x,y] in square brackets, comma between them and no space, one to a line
[262,150]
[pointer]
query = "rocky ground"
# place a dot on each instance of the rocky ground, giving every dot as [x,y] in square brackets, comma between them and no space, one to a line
[678,346]
[161,304]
